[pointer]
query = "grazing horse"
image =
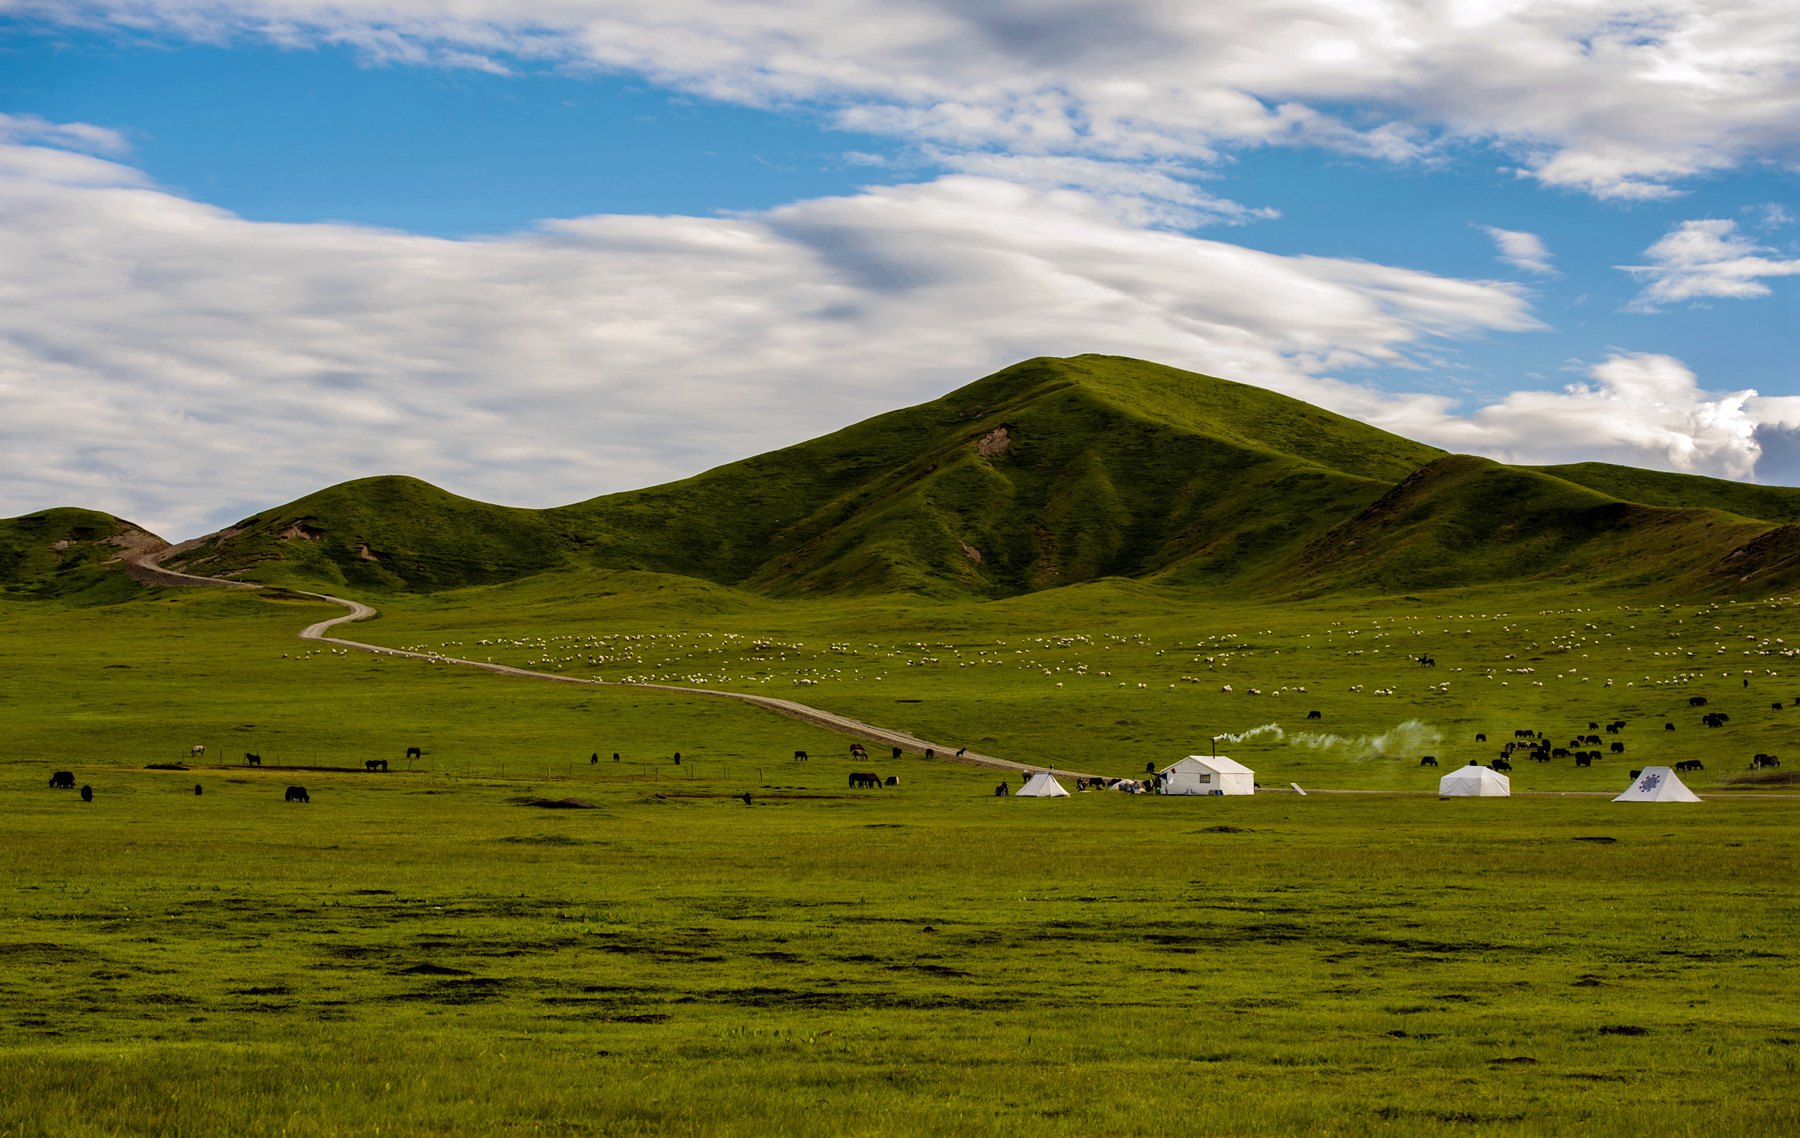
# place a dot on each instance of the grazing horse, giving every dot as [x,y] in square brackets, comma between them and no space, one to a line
[960,751]
[252,760]
[63,780]
[858,751]
[860,780]
[1428,761]
[298,794]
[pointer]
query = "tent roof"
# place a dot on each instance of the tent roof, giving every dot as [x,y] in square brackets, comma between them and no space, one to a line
[1219,764]
[1482,777]
[1657,784]
[1043,784]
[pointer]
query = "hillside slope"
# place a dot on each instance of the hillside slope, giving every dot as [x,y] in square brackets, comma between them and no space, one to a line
[69,554]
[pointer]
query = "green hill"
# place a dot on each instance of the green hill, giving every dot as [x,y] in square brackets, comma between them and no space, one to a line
[68,554]
[382,533]
[1053,472]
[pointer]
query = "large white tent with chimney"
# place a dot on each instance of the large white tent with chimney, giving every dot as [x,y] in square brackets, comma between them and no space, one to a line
[1208,774]
[1657,784]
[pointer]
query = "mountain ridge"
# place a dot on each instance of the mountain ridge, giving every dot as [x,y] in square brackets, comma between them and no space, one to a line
[1047,473]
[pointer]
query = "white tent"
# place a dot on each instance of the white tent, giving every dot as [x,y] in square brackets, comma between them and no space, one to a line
[1208,774]
[1474,782]
[1657,784]
[1042,785]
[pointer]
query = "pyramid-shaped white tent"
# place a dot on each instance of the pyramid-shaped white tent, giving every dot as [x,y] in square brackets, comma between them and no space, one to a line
[1042,785]
[1474,782]
[1657,784]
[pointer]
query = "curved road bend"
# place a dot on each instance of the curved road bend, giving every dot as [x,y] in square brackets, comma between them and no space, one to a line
[149,570]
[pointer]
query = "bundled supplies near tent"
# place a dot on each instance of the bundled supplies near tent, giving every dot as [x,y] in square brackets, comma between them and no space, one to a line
[1474,781]
[1657,784]
[1208,774]
[1042,785]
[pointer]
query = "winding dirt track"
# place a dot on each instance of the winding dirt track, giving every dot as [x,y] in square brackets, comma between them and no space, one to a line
[146,566]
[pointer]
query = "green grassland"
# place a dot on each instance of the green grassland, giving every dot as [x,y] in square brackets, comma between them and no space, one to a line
[1095,564]
[426,952]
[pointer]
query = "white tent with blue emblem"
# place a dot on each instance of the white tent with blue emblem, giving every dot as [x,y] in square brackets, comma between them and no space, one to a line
[1657,784]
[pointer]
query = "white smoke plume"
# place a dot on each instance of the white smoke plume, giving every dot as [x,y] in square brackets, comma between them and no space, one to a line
[1405,740]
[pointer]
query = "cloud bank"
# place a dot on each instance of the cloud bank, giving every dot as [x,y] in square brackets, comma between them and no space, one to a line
[181,366]
[1620,99]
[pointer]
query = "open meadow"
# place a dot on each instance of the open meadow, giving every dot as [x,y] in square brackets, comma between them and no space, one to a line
[436,951]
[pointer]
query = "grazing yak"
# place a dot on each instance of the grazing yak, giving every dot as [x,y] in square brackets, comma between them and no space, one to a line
[63,780]
[1314,715]
[1696,701]
[196,750]
[375,764]
[1428,761]
[1761,760]
[87,793]
[1687,765]
[858,751]
[892,780]
[298,794]
[1002,790]
[898,752]
[1502,765]
[799,756]
[416,753]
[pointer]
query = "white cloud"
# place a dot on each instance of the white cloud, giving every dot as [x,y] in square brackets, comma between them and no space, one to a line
[1523,251]
[1705,258]
[1640,410]
[1621,99]
[181,366]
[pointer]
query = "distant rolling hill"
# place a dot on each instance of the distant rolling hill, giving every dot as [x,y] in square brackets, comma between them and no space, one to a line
[68,554]
[1058,471]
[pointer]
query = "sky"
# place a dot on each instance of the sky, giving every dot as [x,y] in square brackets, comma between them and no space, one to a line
[535,251]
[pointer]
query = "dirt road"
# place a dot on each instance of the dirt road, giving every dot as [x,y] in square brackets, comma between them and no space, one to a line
[147,567]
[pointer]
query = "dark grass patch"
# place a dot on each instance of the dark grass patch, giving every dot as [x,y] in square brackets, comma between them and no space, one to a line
[556,803]
[544,840]
[42,952]
[1624,1029]
[1601,838]
[860,999]
[429,969]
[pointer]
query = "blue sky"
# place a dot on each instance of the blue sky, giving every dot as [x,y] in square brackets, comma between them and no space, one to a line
[556,248]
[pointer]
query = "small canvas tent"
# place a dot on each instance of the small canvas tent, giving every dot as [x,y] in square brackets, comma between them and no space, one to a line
[1474,782]
[1042,785]
[1657,784]
[1208,774]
